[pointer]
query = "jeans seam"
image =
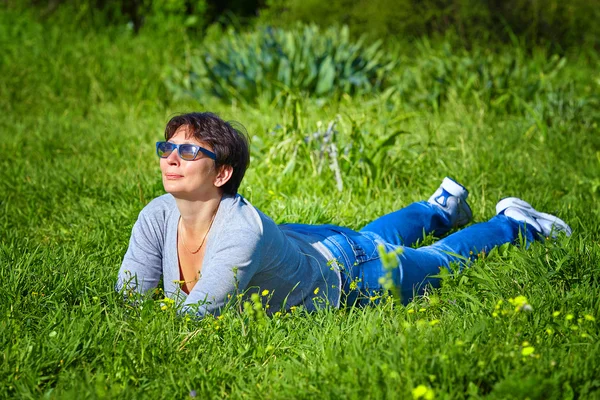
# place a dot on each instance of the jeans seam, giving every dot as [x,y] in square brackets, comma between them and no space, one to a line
[359,251]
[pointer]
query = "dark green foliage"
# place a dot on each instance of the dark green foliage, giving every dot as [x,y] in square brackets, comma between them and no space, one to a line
[195,15]
[270,63]
[563,23]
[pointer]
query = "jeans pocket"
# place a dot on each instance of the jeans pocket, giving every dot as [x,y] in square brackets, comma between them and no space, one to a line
[363,247]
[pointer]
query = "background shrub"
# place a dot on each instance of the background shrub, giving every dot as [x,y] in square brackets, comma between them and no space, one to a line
[270,62]
[563,24]
[195,15]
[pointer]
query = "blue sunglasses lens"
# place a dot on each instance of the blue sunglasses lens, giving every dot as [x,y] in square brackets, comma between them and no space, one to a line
[164,149]
[187,151]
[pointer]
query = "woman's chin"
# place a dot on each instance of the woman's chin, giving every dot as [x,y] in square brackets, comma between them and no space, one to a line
[174,189]
[180,193]
[184,192]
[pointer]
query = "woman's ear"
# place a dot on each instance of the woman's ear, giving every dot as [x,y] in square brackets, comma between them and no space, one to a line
[223,176]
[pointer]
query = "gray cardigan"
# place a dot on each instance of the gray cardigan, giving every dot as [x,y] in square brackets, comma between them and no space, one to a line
[245,250]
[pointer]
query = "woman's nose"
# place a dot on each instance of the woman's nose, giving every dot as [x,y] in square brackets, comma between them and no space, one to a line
[173,158]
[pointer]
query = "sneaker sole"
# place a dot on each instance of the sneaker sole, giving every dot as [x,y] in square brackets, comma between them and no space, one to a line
[547,222]
[465,213]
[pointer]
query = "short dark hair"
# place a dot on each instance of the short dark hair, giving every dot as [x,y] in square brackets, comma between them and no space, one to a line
[229,144]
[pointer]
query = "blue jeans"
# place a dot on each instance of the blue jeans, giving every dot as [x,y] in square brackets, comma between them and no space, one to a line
[360,260]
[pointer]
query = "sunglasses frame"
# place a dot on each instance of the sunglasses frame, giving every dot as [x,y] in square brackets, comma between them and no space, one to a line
[196,148]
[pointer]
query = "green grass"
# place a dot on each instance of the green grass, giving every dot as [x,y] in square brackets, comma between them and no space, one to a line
[80,112]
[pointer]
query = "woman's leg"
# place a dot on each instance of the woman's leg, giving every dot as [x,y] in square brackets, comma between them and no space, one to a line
[410,224]
[417,265]
[445,209]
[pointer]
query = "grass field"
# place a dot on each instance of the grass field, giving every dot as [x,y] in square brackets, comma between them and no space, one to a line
[80,113]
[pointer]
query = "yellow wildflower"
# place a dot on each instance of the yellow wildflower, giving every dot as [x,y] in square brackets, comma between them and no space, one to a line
[422,392]
[265,292]
[556,314]
[589,317]
[520,303]
[316,291]
[527,351]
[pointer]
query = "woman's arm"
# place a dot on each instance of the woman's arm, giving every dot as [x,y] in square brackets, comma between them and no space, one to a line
[141,269]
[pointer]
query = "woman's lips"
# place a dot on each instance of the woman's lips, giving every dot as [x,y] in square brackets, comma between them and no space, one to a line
[173,176]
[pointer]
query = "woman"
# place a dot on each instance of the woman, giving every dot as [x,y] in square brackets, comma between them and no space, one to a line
[208,243]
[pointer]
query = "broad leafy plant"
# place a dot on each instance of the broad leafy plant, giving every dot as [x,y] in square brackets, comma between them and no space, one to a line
[271,63]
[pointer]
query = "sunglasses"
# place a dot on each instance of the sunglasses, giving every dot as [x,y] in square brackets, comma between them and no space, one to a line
[187,151]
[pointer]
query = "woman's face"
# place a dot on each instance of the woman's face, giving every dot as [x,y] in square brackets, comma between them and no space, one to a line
[192,180]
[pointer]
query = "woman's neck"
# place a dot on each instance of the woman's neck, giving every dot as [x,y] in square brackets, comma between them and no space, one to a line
[197,215]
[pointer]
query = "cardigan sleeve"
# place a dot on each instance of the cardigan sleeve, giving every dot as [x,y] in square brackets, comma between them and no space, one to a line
[141,268]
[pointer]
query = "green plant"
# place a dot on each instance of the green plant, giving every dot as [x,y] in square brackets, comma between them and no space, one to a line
[270,62]
[559,23]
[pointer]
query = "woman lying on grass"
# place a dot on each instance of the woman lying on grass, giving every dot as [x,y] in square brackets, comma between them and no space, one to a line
[208,243]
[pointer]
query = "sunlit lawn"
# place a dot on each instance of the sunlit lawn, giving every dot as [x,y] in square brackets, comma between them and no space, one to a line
[80,113]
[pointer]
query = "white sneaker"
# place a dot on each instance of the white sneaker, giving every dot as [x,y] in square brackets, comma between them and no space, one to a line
[546,224]
[451,196]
